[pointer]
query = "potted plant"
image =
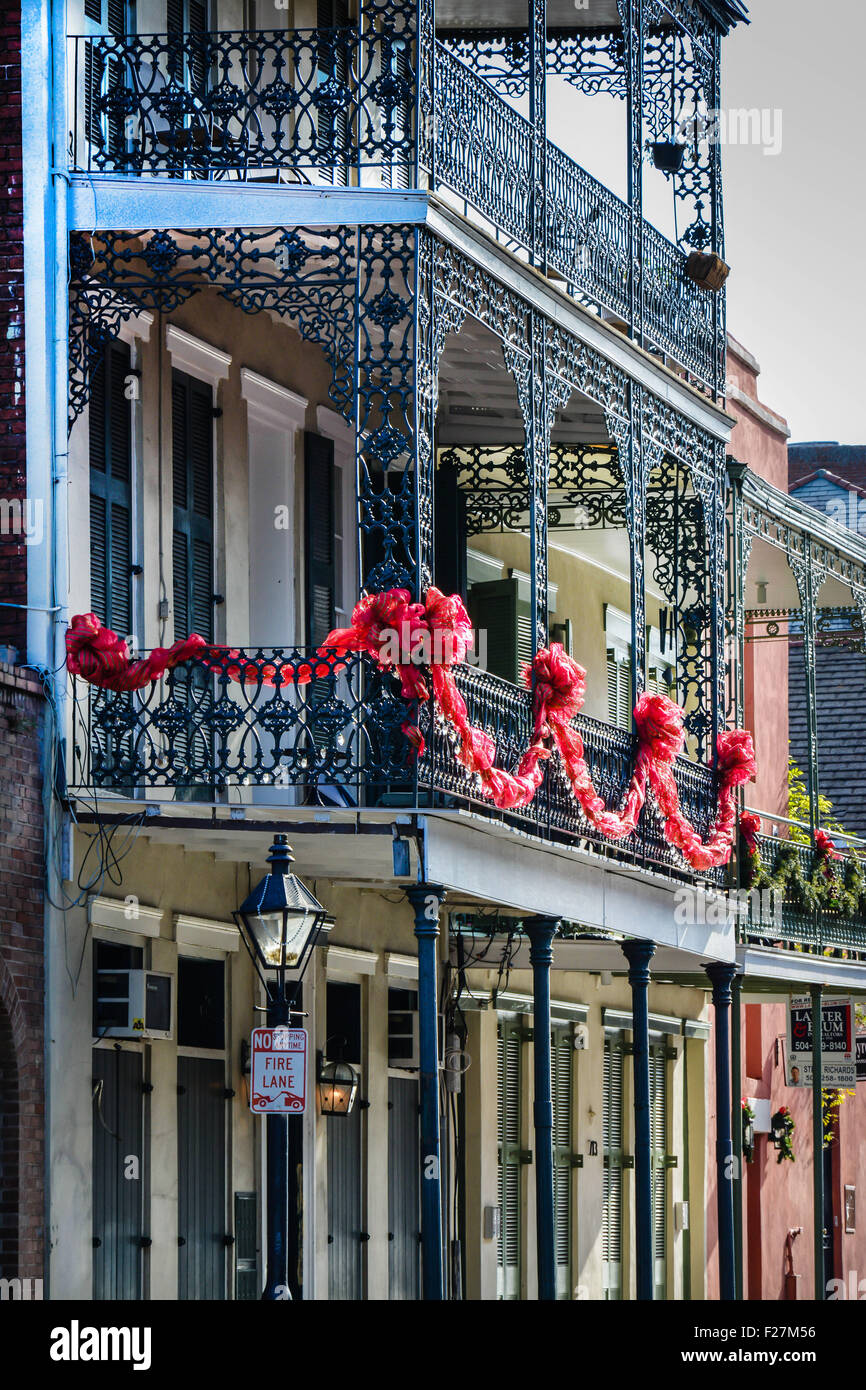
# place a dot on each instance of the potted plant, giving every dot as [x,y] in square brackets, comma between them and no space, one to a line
[748,1131]
[782,1125]
[668,155]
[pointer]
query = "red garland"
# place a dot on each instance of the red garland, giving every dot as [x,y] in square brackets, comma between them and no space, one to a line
[410,638]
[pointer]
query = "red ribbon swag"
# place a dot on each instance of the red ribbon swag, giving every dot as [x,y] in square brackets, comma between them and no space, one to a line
[412,639]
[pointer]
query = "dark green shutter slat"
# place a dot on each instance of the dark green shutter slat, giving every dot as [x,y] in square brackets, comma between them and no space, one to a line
[451,533]
[110,449]
[117,1199]
[192,490]
[320,548]
[496,608]
[98,558]
[246,1246]
[404,1223]
[201,1157]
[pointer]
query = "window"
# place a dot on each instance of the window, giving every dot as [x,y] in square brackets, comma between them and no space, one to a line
[111,962]
[110,444]
[612,1145]
[201,1003]
[508,1120]
[403,1029]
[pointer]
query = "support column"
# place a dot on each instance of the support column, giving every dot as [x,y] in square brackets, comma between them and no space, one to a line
[632,20]
[818,1142]
[541,931]
[426,901]
[639,954]
[538,131]
[277,1282]
[721,975]
[737,1129]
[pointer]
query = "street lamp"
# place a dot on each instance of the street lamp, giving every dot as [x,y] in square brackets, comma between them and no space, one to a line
[280,922]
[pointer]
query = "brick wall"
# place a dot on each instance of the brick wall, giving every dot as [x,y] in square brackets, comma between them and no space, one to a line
[13,573]
[21,977]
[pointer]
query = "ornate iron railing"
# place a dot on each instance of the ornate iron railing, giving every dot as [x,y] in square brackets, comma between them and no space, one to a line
[328,105]
[779,916]
[300,728]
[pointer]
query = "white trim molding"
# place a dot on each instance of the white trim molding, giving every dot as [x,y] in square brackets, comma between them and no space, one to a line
[201,931]
[193,355]
[401,967]
[127,915]
[270,404]
[138,326]
[333,426]
[345,960]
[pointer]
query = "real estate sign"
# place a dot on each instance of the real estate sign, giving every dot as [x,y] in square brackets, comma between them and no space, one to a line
[838,1046]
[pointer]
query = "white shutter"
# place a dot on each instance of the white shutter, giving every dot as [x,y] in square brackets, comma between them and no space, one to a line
[619,701]
[611,1211]
[562,1055]
[658,1142]
[509,1082]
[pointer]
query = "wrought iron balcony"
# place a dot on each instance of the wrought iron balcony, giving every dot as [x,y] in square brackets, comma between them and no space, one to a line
[339,739]
[783,917]
[330,107]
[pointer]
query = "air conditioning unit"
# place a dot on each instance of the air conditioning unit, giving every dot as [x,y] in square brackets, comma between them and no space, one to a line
[134,1004]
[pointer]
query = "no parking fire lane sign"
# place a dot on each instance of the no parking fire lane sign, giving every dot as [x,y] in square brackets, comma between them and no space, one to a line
[278,1081]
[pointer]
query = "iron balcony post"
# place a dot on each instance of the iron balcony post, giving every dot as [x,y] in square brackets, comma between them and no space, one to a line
[639,954]
[426,901]
[277,1285]
[818,1141]
[737,1129]
[541,931]
[721,975]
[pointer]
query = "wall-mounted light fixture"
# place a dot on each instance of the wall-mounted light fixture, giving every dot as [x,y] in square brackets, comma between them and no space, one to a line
[338,1087]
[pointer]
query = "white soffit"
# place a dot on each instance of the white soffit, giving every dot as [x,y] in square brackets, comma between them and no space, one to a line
[271,404]
[125,914]
[197,357]
[345,960]
[201,931]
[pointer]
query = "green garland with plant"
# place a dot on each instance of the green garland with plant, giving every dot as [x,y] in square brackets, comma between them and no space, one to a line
[821,887]
[784,1144]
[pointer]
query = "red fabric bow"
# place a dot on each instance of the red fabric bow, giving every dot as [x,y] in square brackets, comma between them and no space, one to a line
[750,828]
[825,847]
[411,639]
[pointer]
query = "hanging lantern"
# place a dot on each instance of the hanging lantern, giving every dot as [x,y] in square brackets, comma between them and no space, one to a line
[338,1087]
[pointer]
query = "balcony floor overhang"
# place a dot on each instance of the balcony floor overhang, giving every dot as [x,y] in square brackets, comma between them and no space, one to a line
[772,976]
[478,860]
[105,203]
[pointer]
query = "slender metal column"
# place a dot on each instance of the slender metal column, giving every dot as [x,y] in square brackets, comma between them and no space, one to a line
[721,976]
[639,954]
[541,931]
[426,900]
[737,1129]
[818,1142]
[277,1285]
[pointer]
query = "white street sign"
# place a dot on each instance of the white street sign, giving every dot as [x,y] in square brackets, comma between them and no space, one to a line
[278,1079]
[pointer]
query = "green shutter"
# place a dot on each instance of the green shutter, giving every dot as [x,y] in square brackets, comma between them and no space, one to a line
[562,1088]
[658,1141]
[508,1120]
[110,447]
[320,549]
[246,1247]
[192,468]
[498,611]
[619,701]
[612,1145]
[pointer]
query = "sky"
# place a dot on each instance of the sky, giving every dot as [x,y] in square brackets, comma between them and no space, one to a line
[795,220]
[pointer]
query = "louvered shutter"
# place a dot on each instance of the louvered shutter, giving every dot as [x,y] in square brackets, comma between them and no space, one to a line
[333,66]
[509,1087]
[658,1141]
[192,477]
[110,446]
[562,1061]
[192,750]
[611,1211]
[451,536]
[619,701]
[498,611]
[319,495]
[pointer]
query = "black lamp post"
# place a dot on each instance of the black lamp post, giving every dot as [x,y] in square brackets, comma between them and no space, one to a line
[280,923]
